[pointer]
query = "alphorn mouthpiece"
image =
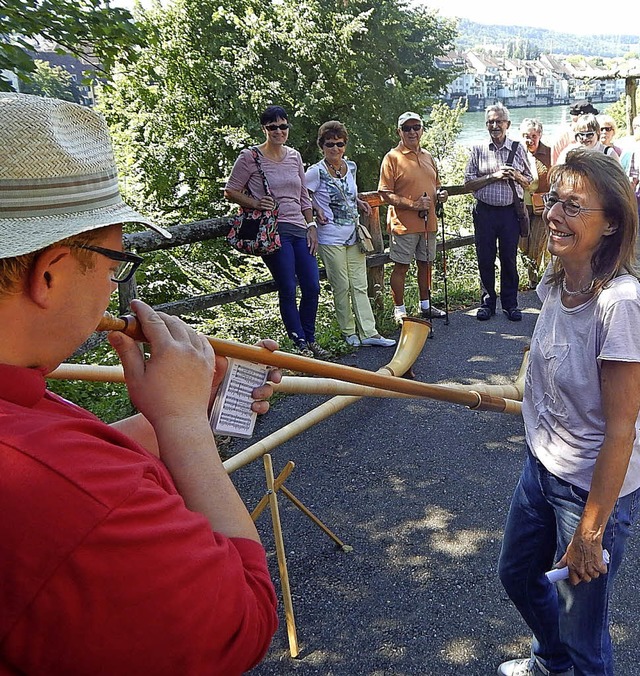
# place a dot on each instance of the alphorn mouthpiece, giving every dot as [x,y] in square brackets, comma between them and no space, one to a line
[127,324]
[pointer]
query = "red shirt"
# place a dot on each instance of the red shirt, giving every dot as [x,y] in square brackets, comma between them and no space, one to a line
[104,570]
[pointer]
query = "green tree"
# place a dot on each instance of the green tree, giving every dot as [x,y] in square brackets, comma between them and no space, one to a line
[76,26]
[196,93]
[180,117]
[522,49]
[618,112]
[51,81]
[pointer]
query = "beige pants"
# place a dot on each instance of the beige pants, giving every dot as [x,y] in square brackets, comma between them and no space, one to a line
[347,273]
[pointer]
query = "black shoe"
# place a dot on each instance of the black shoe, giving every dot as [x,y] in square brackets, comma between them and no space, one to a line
[484,313]
[433,312]
[300,347]
[319,352]
[514,314]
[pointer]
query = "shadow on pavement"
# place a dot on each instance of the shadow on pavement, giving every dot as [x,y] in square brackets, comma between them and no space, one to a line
[420,489]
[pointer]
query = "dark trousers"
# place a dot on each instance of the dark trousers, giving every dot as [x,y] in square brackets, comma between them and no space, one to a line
[290,265]
[497,232]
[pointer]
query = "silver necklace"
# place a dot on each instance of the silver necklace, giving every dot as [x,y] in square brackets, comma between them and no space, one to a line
[579,292]
[338,171]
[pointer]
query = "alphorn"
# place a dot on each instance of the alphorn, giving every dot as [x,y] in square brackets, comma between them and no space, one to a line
[472,399]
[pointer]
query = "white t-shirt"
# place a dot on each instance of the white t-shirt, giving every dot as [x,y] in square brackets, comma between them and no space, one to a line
[337,199]
[597,148]
[562,403]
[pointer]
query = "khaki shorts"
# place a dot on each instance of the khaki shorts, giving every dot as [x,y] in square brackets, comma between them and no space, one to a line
[404,248]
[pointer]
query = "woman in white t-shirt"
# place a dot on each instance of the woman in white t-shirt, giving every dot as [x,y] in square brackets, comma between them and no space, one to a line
[579,493]
[587,135]
[332,182]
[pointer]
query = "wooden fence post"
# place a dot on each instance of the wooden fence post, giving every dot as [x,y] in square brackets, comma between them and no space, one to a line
[375,273]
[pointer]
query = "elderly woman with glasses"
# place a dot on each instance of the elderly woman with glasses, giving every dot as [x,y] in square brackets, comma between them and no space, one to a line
[579,491]
[534,247]
[587,135]
[295,262]
[608,130]
[332,181]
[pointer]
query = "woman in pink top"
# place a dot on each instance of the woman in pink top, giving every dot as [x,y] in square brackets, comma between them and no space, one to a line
[295,262]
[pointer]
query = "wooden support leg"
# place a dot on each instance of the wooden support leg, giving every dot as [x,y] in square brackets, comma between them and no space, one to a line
[281,556]
[307,512]
[280,479]
[279,486]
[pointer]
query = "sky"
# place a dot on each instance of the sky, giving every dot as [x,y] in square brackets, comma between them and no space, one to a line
[564,17]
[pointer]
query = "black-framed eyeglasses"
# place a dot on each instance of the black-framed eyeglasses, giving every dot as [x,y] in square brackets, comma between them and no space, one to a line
[331,144]
[406,128]
[128,262]
[585,135]
[276,127]
[606,128]
[569,207]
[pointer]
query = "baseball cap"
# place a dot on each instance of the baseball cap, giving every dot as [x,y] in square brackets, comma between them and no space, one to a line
[408,116]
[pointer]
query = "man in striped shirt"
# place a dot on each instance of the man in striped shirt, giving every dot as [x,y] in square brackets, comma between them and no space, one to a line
[495,218]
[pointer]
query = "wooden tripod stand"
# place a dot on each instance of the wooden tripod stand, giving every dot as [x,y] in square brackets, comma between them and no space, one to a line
[270,499]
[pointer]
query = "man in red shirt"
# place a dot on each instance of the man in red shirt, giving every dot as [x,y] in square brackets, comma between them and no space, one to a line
[124,549]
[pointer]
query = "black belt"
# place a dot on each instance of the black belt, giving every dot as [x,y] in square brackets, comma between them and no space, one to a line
[495,206]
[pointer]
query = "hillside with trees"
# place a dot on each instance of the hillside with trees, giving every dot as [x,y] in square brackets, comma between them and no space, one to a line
[473,35]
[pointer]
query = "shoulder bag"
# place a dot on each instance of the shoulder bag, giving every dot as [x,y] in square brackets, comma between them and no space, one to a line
[518,203]
[537,203]
[254,231]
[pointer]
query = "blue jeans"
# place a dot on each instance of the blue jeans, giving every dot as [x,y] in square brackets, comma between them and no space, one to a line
[293,264]
[570,624]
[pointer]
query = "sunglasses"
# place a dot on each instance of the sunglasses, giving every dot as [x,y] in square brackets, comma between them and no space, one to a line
[128,262]
[606,128]
[276,127]
[331,144]
[411,127]
[585,135]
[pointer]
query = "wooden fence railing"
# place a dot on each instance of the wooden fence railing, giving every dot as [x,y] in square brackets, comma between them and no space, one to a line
[212,228]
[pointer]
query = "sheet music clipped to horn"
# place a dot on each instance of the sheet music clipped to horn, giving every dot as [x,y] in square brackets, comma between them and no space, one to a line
[231,413]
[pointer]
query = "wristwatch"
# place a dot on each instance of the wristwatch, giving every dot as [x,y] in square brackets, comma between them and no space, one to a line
[312,224]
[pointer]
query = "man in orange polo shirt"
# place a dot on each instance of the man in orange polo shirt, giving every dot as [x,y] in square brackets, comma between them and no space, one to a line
[410,185]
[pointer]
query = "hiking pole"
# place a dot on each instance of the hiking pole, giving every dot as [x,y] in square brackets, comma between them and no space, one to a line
[425,216]
[440,213]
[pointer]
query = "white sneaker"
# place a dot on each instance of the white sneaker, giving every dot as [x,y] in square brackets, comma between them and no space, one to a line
[353,340]
[528,667]
[379,341]
[399,315]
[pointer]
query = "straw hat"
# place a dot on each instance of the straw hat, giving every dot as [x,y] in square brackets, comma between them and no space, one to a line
[58,176]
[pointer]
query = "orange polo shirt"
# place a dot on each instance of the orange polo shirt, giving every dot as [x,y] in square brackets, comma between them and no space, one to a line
[409,174]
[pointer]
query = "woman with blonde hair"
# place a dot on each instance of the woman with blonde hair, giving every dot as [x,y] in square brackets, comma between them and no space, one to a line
[587,135]
[608,130]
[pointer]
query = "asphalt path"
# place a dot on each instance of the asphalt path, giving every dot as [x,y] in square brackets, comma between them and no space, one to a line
[420,490]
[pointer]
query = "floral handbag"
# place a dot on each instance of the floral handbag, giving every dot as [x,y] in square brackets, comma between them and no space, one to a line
[254,231]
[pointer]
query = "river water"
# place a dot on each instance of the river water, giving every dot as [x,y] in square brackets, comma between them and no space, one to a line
[552,118]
